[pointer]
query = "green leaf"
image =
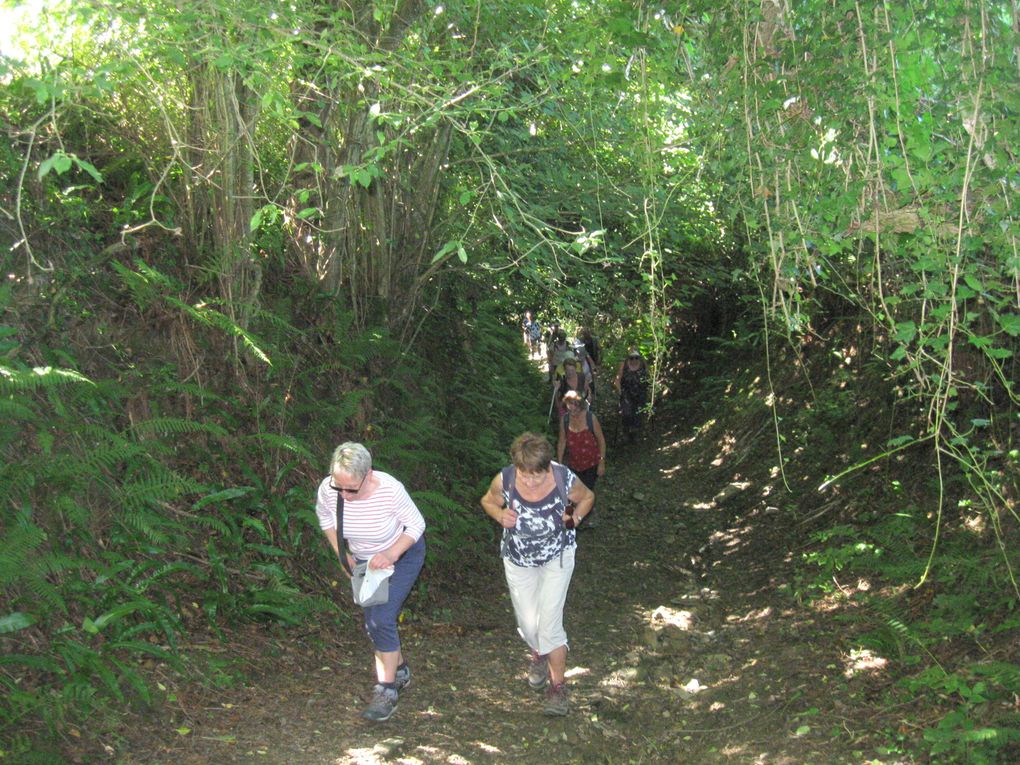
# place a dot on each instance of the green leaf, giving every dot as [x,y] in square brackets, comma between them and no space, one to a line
[88,167]
[1010,323]
[906,331]
[462,254]
[222,496]
[15,621]
[59,162]
[998,353]
[445,250]
[899,440]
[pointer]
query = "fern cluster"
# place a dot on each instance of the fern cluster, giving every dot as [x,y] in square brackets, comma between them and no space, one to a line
[141,504]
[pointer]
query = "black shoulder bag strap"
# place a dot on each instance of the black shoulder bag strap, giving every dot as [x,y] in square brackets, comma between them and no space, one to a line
[341,543]
[509,475]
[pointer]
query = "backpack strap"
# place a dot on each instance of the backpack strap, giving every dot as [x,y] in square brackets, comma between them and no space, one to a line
[509,475]
[561,488]
[591,425]
[560,478]
[341,542]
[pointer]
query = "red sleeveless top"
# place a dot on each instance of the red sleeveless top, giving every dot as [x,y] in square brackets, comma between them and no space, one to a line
[582,449]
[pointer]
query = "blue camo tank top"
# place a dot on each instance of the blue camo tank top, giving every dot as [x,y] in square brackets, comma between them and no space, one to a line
[539,535]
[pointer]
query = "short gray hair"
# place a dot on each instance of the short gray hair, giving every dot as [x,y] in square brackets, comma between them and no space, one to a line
[351,458]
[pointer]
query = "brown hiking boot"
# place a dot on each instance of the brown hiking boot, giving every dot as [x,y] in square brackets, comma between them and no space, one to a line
[538,671]
[556,702]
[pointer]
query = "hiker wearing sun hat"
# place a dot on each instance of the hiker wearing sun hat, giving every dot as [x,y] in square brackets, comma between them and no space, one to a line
[632,385]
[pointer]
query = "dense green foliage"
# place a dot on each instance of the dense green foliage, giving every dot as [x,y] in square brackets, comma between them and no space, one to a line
[240,233]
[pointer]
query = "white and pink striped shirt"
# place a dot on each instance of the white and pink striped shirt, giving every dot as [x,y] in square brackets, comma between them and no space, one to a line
[372,525]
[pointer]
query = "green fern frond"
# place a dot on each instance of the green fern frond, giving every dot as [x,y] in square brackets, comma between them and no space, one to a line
[126,674]
[144,290]
[101,451]
[160,485]
[16,482]
[214,523]
[25,564]
[13,410]
[175,426]
[438,502]
[283,604]
[176,388]
[337,410]
[27,661]
[222,495]
[897,626]
[21,380]
[152,526]
[165,570]
[277,322]
[157,277]
[213,318]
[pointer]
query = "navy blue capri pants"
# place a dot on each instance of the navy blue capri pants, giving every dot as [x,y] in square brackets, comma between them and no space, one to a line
[381,620]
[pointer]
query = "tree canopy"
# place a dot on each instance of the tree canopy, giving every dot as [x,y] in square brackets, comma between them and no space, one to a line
[237,230]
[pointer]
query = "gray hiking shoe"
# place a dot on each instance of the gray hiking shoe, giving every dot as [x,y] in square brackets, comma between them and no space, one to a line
[556,702]
[538,671]
[403,677]
[384,704]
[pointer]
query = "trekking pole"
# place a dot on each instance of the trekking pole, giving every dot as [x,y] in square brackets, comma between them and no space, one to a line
[551,402]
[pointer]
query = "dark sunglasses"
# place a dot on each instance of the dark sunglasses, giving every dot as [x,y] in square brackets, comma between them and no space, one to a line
[344,489]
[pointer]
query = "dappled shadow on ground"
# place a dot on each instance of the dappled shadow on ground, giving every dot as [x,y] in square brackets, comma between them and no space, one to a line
[686,645]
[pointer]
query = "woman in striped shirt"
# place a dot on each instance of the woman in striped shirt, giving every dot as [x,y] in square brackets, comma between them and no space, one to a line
[382,526]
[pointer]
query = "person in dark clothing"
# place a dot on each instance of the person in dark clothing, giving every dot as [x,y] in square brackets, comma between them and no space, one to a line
[591,348]
[632,385]
[569,378]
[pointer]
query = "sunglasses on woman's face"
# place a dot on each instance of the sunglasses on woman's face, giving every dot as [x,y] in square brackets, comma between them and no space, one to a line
[345,490]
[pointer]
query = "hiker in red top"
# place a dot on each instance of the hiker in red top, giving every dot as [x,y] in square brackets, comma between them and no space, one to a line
[582,442]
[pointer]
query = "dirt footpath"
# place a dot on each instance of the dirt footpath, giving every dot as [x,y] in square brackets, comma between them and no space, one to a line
[686,646]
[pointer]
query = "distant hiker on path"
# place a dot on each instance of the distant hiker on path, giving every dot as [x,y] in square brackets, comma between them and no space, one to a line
[594,354]
[632,385]
[538,502]
[586,368]
[569,378]
[384,528]
[582,443]
[558,350]
[532,336]
[550,335]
